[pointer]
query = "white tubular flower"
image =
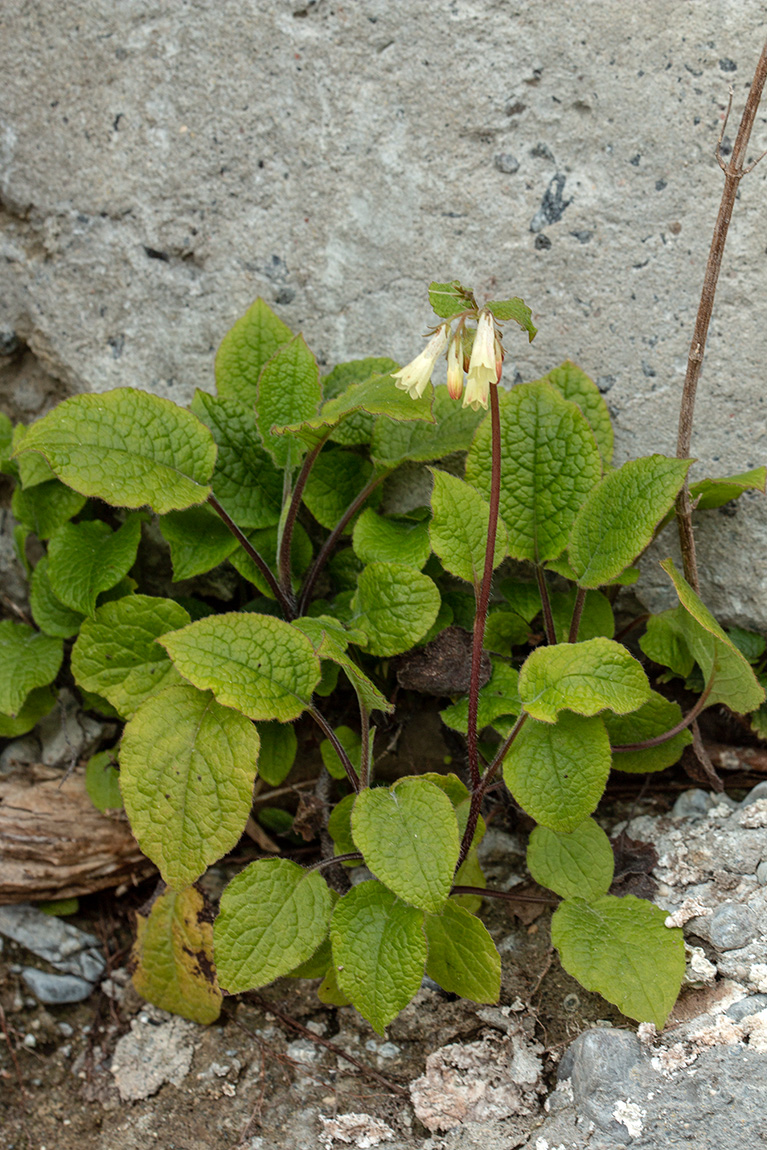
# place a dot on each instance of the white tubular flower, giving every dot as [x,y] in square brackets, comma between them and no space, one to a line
[484,366]
[455,368]
[415,376]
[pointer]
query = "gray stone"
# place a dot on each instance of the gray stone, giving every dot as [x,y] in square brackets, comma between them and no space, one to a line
[745,1006]
[761,872]
[602,1062]
[19,753]
[694,803]
[507,163]
[63,945]
[158,176]
[56,989]
[158,1049]
[66,734]
[756,793]
[732,926]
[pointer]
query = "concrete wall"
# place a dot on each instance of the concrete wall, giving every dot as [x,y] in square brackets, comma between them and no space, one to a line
[163,163]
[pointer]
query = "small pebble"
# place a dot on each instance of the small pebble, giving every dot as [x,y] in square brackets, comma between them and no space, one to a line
[506,163]
[732,926]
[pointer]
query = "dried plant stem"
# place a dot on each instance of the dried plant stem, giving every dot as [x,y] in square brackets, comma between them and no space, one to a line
[288,608]
[733,173]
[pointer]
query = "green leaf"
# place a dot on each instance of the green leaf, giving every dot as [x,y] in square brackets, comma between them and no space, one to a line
[452,430]
[127,447]
[316,966]
[618,519]
[523,598]
[173,957]
[48,612]
[102,782]
[735,683]
[278,751]
[498,697]
[558,773]
[409,837]
[597,618]
[6,443]
[265,543]
[716,492]
[469,874]
[588,677]
[576,386]
[390,540]
[653,718]
[462,957]
[351,743]
[245,350]
[87,558]
[620,948]
[38,703]
[259,665]
[579,864]
[504,630]
[356,428]
[27,660]
[516,309]
[350,414]
[198,539]
[31,468]
[329,992]
[245,482]
[274,915]
[394,606]
[288,392]
[45,507]
[116,655]
[450,299]
[664,642]
[336,479]
[340,827]
[187,767]
[379,951]
[458,530]
[549,464]
[329,642]
[751,645]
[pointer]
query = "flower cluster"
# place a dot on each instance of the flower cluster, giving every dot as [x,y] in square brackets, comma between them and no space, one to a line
[484,366]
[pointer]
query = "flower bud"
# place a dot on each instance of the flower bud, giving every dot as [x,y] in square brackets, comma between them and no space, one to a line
[455,368]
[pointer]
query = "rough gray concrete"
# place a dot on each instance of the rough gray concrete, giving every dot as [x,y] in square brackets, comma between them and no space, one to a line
[163,164]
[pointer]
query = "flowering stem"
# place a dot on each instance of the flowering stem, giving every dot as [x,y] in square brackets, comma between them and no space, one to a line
[287,607]
[330,734]
[548,618]
[483,595]
[580,599]
[324,552]
[290,519]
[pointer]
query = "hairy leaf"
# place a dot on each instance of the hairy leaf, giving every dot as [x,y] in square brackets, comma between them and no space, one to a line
[288,392]
[27,660]
[245,350]
[653,718]
[587,678]
[462,957]
[87,558]
[458,530]
[198,539]
[390,541]
[577,864]
[278,751]
[576,386]
[394,606]
[452,430]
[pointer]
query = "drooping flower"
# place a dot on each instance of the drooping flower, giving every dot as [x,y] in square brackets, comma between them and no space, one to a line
[414,377]
[485,363]
[455,367]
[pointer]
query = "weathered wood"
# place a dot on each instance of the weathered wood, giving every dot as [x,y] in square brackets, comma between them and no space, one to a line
[55,844]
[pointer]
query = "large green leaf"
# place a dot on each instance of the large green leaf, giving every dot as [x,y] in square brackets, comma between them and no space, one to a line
[329,641]
[48,612]
[499,697]
[245,349]
[621,948]
[172,957]
[187,767]
[588,677]
[379,951]
[735,683]
[246,483]
[127,447]
[452,430]
[664,641]
[356,428]
[274,915]
[504,630]
[198,539]
[31,468]
[38,703]
[459,526]
[376,538]
[116,655]
[336,479]
[596,618]
[254,663]
[578,864]
[395,606]
[462,957]
[45,507]
[408,834]
[352,411]
[557,773]
[87,558]
[278,752]
[576,386]
[653,718]
[288,392]
[618,519]
[549,464]
[27,660]
[708,493]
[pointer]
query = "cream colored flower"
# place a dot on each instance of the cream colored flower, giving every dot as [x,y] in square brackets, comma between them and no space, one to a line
[485,364]
[415,376]
[455,368]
